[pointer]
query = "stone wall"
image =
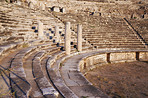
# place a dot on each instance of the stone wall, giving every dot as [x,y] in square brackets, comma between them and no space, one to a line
[88,63]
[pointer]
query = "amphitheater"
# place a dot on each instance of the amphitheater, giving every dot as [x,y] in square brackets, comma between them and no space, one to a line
[47,47]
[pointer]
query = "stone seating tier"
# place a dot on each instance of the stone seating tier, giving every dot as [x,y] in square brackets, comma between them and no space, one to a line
[141,27]
[101,29]
[17,67]
[23,24]
[65,78]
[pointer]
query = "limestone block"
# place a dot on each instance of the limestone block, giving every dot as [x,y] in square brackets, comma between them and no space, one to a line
[143,56]
[89,62]
[81,65]
[122,57]
[99,59]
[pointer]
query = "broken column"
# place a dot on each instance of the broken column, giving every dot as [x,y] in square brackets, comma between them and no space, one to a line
[79,37]
[40,29]
[57,35]
[67,38]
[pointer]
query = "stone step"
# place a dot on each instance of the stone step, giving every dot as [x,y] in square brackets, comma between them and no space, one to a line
[107,33]
[4,49]
[116,41]
[120,46]
[42,82]
[17,67]
[56,78]
[17,25]
[20,77]
[110,37]
[124,39]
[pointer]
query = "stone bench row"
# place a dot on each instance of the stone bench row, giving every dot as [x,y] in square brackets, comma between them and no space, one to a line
[5,49]
[17,26]
[106,29]
[18,76]
[119,46]
[42,82]
[8,47]
[23,88]
[111,38]
[53,66]
[106,33]
[22,22]
[99,34]
[56,77]
[116,42]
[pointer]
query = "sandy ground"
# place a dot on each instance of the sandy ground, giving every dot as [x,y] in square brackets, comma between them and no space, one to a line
[122,80]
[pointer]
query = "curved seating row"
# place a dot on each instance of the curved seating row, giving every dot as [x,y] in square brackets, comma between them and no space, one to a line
[42,82]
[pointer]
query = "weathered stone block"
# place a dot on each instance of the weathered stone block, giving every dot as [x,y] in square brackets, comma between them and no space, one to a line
[89,62]
[121,57]
[143,56]
[99,59]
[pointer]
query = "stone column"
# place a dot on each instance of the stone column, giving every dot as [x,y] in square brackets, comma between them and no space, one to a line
[40,29]
[57,35]
[79,37]
[67,38]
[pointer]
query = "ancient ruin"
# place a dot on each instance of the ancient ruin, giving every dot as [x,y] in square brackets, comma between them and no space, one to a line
[73,48]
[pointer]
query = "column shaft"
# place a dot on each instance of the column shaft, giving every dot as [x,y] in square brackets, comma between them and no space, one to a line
[57,35]
[79,37]
[67,38]
[40,29]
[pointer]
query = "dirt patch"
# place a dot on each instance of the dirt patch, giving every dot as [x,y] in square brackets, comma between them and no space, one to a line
[122,80]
